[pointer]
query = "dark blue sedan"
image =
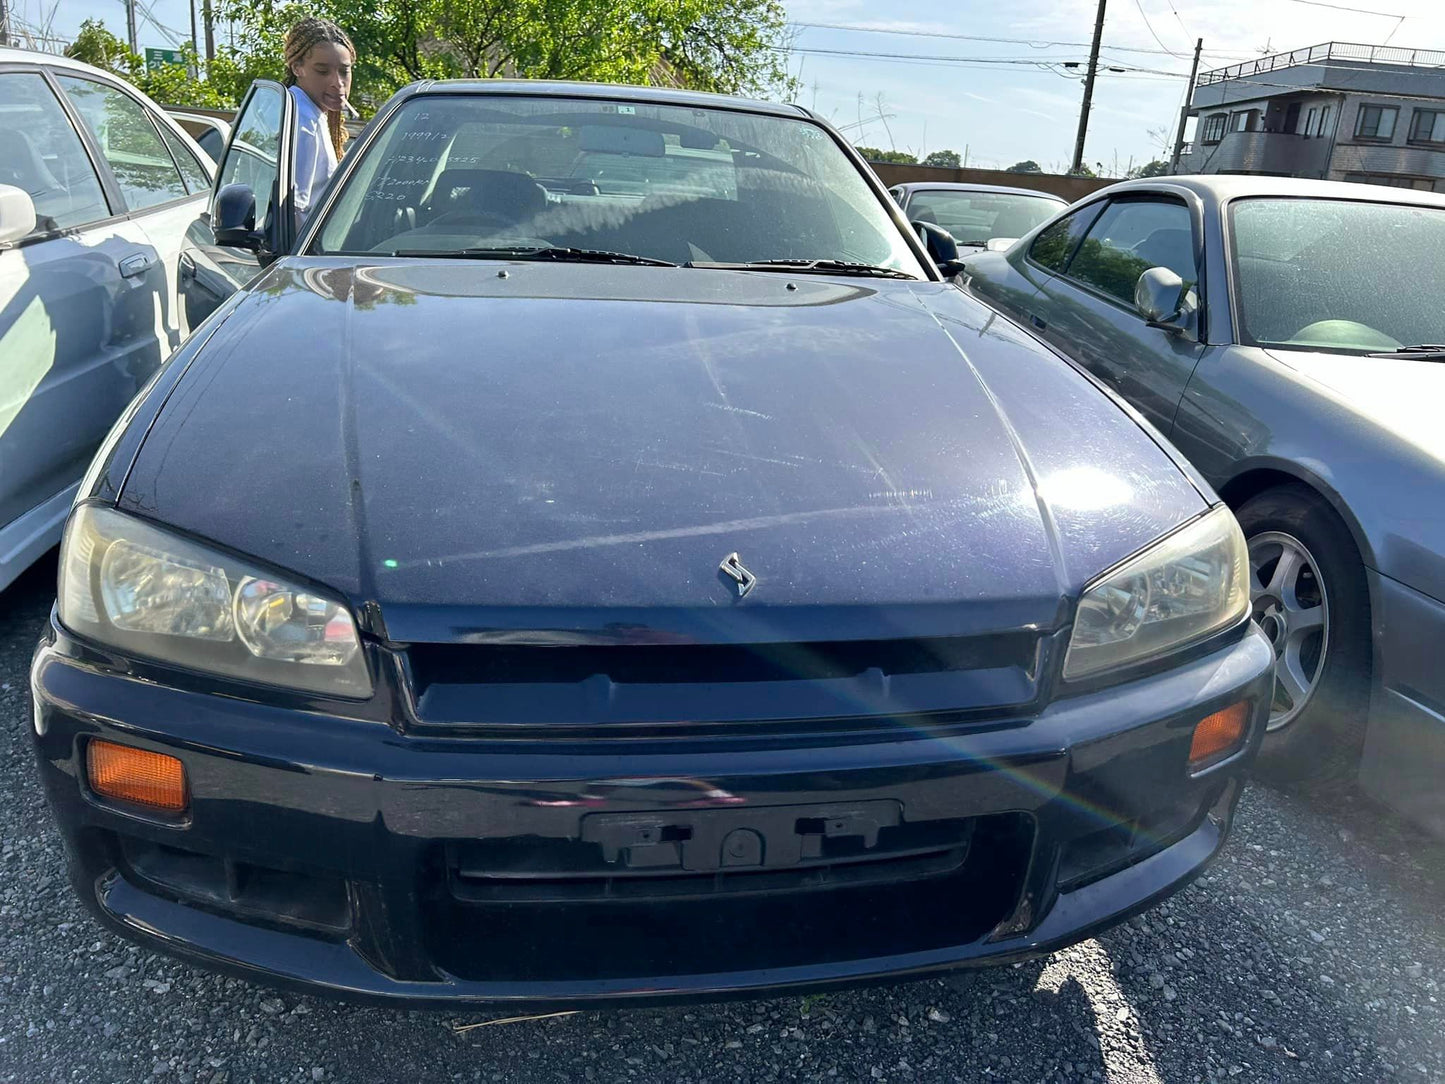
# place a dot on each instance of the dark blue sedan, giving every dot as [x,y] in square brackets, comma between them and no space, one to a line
[605,560]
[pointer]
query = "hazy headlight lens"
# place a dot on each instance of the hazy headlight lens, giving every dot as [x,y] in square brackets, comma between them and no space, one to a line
[278,622]
[1176,592]
[145,590]
[136,587]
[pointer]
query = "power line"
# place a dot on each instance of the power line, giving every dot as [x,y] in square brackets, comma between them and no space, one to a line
[148,11]
[871,54]
[1156,37]
[1353,11]
[1181,19]
[1031,42]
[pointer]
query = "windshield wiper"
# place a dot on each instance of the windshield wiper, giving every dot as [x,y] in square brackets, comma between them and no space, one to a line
[807,267]
[535,252]
[1421,352]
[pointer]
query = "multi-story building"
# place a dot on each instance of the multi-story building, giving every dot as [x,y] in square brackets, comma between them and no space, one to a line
[1336,111]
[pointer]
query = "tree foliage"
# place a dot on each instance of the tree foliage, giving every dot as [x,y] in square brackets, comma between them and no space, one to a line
[946,159]
[1156,168]
[1028,165]
[168,84]
[730,46]
[901,158]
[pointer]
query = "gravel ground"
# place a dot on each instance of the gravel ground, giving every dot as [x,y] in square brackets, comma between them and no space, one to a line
[1311,951]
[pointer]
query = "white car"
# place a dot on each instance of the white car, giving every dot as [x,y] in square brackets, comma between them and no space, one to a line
[210,133]
[97,189]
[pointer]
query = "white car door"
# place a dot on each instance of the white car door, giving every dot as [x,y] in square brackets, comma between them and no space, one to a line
[163,183]
[78,333]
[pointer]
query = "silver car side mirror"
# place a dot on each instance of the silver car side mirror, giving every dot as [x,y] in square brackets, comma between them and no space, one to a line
[1160,297]
[17,213]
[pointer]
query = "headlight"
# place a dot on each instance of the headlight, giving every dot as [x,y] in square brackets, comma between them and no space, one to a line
[144,591]
[1176,592]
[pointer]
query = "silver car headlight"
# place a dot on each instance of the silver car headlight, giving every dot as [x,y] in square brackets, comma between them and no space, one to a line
[1178,591]
[140,589]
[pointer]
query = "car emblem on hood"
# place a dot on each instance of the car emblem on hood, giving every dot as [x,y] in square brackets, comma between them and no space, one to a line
[740,577]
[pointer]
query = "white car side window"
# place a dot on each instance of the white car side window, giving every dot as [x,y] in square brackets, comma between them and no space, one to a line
[42,153]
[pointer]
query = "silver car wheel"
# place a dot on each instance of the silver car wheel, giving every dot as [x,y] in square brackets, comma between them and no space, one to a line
[1292,608]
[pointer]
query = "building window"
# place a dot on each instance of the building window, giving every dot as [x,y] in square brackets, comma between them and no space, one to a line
[1327,120]
[1428,126]
[1310,119]
[1394,180]
[1214,127]
[1376,122]
[1239,122]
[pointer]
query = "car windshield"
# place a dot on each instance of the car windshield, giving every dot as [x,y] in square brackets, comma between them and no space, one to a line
[1338,275]
[468,172]
[975,217]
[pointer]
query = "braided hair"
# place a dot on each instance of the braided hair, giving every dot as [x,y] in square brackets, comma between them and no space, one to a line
[300,40]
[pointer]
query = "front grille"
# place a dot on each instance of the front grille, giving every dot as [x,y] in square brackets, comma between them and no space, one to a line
[579,685]
[565,919]
[555,870]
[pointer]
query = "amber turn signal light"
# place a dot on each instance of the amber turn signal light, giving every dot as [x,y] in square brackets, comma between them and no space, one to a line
[133,775]
[1217,736]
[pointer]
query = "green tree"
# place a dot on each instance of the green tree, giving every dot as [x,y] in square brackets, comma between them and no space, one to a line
[97,46]
[732,46]
[1028,165]
[947,159]
[873,154]
[1156,168]
[168,84]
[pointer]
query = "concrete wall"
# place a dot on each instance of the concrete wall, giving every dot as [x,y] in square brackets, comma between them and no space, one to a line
[1071,188]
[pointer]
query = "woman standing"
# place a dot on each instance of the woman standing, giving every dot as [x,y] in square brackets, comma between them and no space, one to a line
[319,59]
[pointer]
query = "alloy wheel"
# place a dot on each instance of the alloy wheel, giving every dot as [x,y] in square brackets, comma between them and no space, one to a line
[1291,606]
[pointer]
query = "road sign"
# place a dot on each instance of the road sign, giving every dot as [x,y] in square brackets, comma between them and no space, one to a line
[159,58]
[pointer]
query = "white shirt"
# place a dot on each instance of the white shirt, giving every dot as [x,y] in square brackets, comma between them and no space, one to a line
[315,156]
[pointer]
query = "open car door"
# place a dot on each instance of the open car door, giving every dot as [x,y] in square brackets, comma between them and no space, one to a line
[250,220]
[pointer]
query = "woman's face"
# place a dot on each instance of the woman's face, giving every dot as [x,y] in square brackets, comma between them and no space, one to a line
[325,74]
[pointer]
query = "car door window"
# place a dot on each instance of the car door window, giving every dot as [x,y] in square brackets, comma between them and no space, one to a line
[1056,243]
[41,152]
[1130,237]
[142,166]
[212,142]
[197,179]
[255,149]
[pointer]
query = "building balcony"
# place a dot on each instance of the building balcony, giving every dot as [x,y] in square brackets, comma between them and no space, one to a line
[1414,161]
[1279,153]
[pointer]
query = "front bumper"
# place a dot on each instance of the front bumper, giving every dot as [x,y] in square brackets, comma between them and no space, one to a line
[345,857]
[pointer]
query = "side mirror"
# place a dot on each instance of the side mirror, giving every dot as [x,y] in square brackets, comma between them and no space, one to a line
[235,218]
[17,213]
[942,248]
[1160,298]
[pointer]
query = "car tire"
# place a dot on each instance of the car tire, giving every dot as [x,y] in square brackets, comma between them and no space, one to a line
[1308,595]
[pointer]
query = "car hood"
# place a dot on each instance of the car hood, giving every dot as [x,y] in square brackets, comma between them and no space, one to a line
[1403,396]
[474,450]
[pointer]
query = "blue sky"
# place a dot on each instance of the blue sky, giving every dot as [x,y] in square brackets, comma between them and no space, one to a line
[1014,100]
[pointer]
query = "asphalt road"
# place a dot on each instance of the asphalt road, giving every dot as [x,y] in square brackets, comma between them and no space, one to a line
[1311,951]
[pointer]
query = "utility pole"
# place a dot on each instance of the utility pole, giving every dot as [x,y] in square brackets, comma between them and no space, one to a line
[210,30]
[1184,113]
[130,25]
[1088,91]
[4,22]
[195,40]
